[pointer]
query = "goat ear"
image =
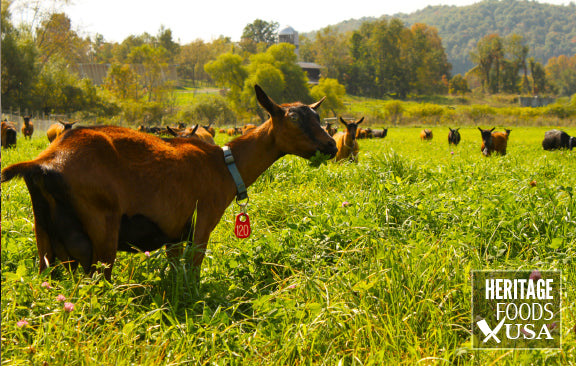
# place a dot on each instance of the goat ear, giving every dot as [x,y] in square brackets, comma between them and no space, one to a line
[360,121]
[317,104]
[267,103]
[343,122]
[479,129]
[493,128]
[171,131]
[195,129]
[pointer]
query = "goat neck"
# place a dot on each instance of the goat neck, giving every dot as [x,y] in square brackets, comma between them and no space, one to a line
[255,152]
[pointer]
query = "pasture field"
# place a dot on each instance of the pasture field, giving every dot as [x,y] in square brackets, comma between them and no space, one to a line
[351,264]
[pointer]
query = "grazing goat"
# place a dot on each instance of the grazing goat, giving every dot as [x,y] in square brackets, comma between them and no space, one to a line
[364,133]
[454,136]
[494,141]
[199,133]
[556,139]
[247,128]
[27,127]
[99,190]
[234,131]
[210,130]
[184,133]
[8,134]
[330,128]
[346,141]
[380,133]
[56,129]
[426,135]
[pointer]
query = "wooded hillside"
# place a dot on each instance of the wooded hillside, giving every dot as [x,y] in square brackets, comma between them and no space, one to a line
[549,30]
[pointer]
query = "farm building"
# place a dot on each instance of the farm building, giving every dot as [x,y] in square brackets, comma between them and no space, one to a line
[289,35]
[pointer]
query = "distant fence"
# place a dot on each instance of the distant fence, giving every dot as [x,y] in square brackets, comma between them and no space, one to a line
[41,120]
[536,101]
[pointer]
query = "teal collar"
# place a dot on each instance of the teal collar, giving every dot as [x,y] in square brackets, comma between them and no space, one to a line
[241,192]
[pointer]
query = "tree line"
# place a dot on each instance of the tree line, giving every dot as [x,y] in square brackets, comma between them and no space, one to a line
[381,59]
[549,30]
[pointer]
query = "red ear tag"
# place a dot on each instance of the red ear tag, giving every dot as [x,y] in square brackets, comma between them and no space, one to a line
[242,228]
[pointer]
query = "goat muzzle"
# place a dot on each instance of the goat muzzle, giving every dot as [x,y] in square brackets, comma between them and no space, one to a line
[330,149]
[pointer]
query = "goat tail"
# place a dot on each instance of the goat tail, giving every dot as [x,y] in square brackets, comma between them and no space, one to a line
[22,169]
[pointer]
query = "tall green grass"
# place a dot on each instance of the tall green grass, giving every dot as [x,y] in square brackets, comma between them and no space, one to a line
[364,263]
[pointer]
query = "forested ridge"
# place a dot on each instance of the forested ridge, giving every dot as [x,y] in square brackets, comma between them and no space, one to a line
[548,30]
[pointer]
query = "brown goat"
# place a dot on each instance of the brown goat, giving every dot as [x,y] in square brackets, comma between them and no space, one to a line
[196,132]
[210,130]
[247,128]
[234,131]
[27,127]
[494,141]
[56,129]
[426,134]
[98,190]
[204,134]
[8,134]
[364,133]
[346,141]
[330,128]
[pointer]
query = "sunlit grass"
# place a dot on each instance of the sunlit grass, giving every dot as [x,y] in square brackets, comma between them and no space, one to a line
[364,263]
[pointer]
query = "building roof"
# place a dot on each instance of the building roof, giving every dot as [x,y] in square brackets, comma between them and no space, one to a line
[309,65]
[287,31]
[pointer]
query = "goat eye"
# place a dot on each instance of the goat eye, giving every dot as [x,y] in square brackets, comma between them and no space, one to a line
[293,117]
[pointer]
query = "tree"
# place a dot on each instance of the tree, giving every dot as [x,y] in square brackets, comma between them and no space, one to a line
[334,93]
[122,82]
[164,39]
[458,85]
[518,52]
[19,67]
[488,57]
[561,74]
[331,51]
[55,37]
[261,31]
[271,80]
[208,109]
[389,59]
[152,60]
[57,90]
[227,71]
[296,80]
[102,51]
[122,50]
[191,61]
[430,62]
[538,76]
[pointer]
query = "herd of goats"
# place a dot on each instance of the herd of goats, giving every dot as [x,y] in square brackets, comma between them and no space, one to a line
[97,190]
[346,141]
